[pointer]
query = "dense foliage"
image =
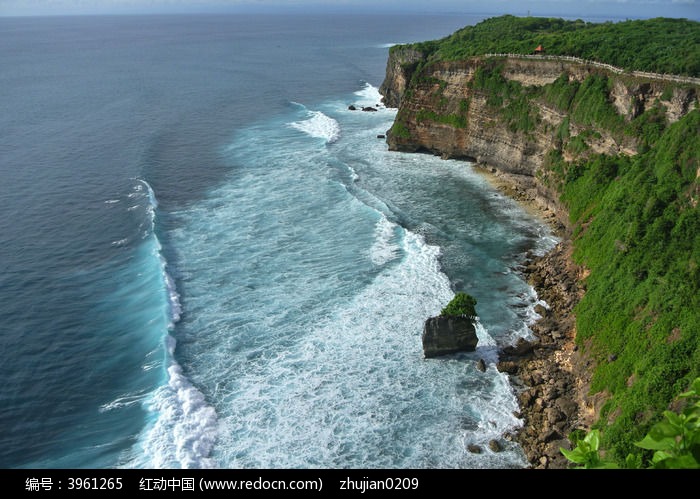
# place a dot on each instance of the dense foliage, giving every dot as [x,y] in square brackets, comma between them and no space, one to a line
[510,98]
[461,305]
[674,442]
[660,45]
[638,231]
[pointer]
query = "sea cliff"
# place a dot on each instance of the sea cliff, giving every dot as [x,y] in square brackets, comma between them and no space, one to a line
[526,122]
[446,108]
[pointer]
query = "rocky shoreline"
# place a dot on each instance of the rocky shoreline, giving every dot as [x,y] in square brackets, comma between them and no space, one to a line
[550,375]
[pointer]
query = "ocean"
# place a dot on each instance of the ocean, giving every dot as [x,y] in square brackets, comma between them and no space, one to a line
[209,260]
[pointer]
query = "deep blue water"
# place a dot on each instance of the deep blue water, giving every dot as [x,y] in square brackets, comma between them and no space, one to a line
[208,260]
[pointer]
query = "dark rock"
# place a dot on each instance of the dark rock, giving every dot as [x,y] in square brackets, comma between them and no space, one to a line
[522,347]
[553,415]
[351,107]
[561,385]
[446,335]
[481,365]
[507,366]
[474,449]
[540,310]
[495,446]
[551,436]
[381,136]
[537,378]
[369,108]
[563,444]
[525,398]
[567,406]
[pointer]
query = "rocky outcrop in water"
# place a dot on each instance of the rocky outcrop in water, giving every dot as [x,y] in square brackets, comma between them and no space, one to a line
[446,335]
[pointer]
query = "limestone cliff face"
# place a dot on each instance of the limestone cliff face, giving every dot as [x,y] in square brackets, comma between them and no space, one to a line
[401,65]
[441,111]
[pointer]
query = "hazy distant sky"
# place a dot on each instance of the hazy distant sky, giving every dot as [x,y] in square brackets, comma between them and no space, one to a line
[617,8]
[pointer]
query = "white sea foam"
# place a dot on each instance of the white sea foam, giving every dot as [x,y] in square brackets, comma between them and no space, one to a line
[120,242]
[185,429]
[173,296]
[369,96]
[123,401]
[495,409]
[353,174]
[151,365]
[546,243]
[307,300]
[355,391]
[320,126]
[384,249]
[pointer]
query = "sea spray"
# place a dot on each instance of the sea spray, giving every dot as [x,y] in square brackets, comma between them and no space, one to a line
[318,125]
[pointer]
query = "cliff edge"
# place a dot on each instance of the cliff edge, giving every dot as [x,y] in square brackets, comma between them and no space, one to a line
[527,122]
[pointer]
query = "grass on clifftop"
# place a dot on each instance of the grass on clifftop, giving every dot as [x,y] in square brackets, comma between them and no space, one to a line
[660,45]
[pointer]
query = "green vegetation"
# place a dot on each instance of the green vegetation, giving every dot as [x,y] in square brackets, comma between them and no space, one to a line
[440,110]
[660,45]
[461,305]
[637,228]
[454,120]
[510,98]
[674,441]
[587,102]
[591,105]
[399,129]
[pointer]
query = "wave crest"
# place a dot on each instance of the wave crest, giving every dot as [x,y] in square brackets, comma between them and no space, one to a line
[319,126]
[184,428]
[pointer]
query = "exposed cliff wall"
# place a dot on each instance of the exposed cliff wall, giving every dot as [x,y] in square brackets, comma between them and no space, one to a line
[399,70]
[457,109]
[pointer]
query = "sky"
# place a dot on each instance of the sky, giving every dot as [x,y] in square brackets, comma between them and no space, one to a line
[631,9]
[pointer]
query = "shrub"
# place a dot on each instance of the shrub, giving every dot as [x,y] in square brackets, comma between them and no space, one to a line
[461,305]
[675,441]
